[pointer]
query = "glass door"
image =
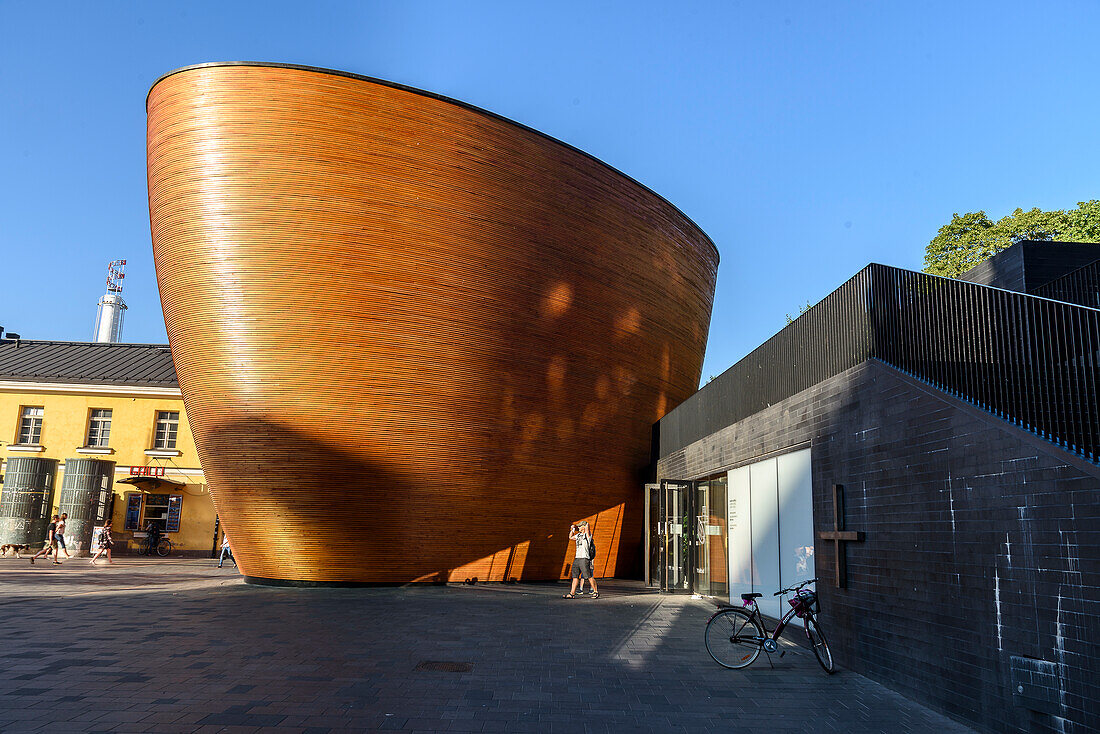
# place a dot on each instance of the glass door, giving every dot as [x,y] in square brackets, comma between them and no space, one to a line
[675,535]
[710,537]
[654,539]
[701,557]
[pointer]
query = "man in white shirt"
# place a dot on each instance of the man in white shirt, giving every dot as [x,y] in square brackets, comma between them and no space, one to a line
[583,566]
[226,551]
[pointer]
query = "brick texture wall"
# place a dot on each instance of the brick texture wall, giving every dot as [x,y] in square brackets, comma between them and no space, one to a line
[977,588]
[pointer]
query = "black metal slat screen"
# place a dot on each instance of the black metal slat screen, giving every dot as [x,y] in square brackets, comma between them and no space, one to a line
[1082,286]
[1032,361]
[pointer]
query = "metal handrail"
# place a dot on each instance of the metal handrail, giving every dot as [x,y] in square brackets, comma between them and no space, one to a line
[1080,286]
[1030,360]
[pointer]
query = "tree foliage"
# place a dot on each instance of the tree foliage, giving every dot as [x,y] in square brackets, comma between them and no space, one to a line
[973,237]
[801,310]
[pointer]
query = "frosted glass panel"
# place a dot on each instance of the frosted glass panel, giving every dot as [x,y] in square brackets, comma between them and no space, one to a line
[796,527]
[764,497]
[739,535]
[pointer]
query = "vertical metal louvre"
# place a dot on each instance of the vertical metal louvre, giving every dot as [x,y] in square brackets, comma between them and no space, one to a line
[1030,360]
[1082,286]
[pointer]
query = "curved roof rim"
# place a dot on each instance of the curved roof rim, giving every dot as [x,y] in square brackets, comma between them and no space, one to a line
[442,98]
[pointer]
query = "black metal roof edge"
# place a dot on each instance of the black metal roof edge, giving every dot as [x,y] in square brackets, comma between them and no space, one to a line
[442,98]
[109,382]
[5,340]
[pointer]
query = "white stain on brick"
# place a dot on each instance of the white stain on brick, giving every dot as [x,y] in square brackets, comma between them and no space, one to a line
[951,501]
[1060,651]
[997,602]
[1069,545]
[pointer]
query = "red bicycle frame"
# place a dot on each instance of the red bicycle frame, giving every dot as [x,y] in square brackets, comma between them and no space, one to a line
[783,621]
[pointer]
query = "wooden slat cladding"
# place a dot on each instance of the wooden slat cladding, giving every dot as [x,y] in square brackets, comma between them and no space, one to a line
[415,340]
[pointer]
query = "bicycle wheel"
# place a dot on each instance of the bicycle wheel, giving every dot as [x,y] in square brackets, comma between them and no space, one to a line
[146,548]
[164,547]
[820,646]
[733,638]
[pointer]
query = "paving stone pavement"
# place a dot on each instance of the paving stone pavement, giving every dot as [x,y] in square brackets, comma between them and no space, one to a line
[181,646]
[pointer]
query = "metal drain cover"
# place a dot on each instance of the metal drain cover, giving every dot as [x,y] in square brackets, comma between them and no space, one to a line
[439,666]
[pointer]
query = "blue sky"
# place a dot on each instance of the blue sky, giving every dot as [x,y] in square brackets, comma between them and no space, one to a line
[806,138]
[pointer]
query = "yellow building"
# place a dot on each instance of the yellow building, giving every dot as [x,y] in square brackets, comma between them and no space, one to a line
[120,403]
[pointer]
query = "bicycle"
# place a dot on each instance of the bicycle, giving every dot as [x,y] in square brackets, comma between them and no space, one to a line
[735,637]
[163,547]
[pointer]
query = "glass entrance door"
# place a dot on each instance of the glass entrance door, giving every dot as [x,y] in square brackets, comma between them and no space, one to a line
[654,540]
[700,556]
[686,536]
[709,544]
[675,535]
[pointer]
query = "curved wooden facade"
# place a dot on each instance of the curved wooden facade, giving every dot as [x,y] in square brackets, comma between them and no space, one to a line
[415,340]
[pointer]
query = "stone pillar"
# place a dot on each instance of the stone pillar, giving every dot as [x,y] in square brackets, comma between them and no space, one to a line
[25,499]
[85,488]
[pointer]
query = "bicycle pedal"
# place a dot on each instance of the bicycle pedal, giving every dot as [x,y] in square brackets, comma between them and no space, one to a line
[782,653]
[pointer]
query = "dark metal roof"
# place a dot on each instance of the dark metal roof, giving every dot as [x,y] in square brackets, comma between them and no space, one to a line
[93,363]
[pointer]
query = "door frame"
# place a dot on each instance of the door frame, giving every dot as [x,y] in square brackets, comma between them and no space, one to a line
[686,488]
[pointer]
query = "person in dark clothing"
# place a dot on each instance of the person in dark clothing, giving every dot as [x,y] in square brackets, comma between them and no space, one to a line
[105,543]
[155,534]
[51,544]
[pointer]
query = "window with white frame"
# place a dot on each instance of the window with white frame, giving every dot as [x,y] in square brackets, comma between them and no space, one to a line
[168,423]
[99,427]
[30,424]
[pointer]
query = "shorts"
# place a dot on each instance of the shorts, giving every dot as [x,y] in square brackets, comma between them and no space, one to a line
[582,568]
[59,541]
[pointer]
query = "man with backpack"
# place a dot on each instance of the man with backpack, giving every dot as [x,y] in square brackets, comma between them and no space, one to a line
[583,560]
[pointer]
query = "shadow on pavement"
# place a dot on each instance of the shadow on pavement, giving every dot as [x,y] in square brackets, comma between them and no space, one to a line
[480,658]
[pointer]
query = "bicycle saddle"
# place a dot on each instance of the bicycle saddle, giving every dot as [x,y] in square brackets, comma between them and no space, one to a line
[749,597]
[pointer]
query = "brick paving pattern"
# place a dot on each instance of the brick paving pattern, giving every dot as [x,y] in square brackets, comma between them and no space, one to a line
[180,646]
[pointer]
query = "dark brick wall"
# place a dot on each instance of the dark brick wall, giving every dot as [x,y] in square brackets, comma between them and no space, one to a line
[980,572]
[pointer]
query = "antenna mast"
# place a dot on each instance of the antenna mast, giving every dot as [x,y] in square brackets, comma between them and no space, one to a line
[108,320]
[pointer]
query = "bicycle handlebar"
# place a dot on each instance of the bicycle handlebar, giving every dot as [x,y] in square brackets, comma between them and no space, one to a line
[796,587]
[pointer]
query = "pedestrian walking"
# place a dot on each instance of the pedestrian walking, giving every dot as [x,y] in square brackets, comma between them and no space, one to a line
[105,543]
[226,551]
[59,536]
[583,566]
[51,544]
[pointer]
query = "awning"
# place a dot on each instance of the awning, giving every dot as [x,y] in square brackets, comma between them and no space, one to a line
[149,483]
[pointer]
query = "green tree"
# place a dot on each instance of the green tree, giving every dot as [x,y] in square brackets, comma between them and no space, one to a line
[973,237]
